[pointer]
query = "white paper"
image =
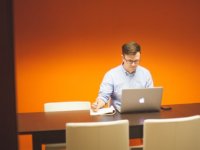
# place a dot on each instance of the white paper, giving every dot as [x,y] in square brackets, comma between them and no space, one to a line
[103,111]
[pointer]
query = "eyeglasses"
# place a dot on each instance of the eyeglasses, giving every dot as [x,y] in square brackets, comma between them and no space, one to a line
[131,61]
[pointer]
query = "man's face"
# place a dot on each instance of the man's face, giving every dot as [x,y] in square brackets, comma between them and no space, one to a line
[131,62]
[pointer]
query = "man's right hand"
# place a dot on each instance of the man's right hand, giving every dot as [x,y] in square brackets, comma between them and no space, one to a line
[97,105]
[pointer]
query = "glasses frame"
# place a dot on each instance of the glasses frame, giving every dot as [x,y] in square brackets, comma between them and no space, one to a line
[130,62]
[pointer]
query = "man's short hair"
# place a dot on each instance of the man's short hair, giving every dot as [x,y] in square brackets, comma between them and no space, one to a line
[130,48]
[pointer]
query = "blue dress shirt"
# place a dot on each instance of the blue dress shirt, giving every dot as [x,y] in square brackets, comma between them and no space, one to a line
[118,78]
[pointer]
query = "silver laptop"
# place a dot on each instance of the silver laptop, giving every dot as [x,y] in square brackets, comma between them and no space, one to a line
[140,100]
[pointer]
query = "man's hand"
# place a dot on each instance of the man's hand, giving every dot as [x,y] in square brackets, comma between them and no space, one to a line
[97,105]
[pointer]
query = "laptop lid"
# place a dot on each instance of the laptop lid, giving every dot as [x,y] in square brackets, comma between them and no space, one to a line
[141,100]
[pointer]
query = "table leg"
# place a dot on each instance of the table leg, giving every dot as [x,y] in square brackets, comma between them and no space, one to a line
[37,145]
[39,138]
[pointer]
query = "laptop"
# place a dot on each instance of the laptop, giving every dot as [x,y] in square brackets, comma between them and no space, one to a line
[140,100]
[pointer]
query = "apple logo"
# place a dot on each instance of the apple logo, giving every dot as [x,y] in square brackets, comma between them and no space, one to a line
[141,100]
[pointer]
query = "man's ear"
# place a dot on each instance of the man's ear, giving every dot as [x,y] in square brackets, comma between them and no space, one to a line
[122,57]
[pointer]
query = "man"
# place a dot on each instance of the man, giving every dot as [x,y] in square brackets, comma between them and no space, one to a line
[127,75]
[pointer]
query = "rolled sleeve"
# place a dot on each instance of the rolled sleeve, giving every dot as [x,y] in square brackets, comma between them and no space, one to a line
[106,88]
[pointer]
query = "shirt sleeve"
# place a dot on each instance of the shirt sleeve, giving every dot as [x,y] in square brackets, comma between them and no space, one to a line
[149,81]
[106,88]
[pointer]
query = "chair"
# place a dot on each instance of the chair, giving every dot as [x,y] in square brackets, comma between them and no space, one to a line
[64,106]
[172,134]
[111,135]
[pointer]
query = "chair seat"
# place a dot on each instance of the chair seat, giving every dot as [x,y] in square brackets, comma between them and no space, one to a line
[138,147]
[171,134]
[110,135]
[57,146]
[64,106]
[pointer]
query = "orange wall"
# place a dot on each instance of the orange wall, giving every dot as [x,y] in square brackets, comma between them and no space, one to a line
[63,48]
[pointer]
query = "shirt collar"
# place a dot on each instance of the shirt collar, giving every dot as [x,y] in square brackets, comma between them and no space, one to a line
[126,72]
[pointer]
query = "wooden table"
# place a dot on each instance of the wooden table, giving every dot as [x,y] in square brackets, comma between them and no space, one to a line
[49,127]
